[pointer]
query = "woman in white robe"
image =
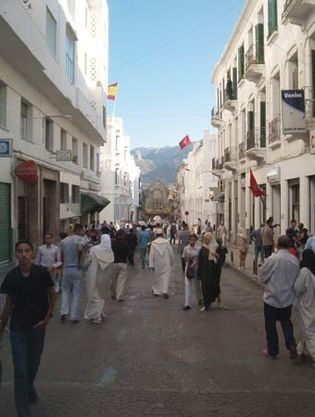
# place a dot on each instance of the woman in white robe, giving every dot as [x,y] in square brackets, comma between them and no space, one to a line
[101,257]
[305,292]
[161,260]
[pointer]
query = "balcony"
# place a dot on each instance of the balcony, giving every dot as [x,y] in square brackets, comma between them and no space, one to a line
[216,167]
[230,159]
[216,121]
[254,65]
[230,103]
[297,11]
[256,145]
[274,132]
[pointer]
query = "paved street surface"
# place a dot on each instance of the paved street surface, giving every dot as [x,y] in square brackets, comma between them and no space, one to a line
[150,358]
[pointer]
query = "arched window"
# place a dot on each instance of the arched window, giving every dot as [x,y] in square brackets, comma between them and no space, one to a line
[116,176]
[126,179]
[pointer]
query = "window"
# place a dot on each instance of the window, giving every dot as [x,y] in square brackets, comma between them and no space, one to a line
[86,17]
[241,63]
[98,163]
[85,155]
[75,194]
[75,155]
[293,67]
[272,16]
[64,193]
[92,158]
[294,196]
[104,117]
[63,140]
[26,121]
[51,31]
[49,135]
[3,104]
[70,45]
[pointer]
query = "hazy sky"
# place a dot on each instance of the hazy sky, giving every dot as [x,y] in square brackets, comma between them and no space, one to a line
[162,53]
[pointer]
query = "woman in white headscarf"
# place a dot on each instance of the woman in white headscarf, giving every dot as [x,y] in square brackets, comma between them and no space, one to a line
[101,257]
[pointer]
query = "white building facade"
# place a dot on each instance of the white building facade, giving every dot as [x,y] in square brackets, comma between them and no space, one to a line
[272,49]
[120,176]
[196,185]
[53,82]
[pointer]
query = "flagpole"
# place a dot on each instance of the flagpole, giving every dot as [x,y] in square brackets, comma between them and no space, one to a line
[114,105]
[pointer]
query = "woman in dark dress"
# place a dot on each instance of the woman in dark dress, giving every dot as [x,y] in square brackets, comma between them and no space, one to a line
[208,272]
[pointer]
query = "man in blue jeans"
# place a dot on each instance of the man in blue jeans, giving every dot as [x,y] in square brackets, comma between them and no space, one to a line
[30,299]
[143,240]
[278,275]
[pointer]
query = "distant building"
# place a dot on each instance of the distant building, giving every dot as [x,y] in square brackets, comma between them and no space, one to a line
[157,200]
[120,176]
[196,186]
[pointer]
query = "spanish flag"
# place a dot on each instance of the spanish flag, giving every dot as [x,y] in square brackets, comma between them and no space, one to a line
[112,91]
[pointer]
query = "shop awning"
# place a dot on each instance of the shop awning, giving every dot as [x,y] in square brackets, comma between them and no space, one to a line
[91,203]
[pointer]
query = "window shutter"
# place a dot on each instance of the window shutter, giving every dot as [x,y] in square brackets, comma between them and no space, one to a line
[262,124]
[272,16]
[260,53]
[241,63]
[234,85]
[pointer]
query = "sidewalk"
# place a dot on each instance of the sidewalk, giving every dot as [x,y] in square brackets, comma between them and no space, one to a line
[233,260]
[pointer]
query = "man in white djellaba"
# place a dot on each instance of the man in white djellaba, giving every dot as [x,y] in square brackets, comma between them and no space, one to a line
[161,260]
[101,258]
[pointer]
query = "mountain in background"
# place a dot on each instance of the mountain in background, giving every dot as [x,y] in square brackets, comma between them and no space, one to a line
[159,163]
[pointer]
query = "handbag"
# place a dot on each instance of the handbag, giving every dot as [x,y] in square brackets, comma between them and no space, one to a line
[190,273]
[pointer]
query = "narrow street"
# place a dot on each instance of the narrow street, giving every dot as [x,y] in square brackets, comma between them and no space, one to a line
[150,358]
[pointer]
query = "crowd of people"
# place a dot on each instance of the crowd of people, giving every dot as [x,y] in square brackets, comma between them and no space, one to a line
[101,253]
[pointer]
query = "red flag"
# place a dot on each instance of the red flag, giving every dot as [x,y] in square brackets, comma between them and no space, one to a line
[256,190]
[184,142]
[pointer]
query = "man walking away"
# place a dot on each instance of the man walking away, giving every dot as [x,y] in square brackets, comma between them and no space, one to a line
[161,260]
[132,243]
[278,274]
[121,256]
[48,257]
[71,254]
[173,232]
[183,241]
[259,250]
[267,238]
[30,299]
[143,240]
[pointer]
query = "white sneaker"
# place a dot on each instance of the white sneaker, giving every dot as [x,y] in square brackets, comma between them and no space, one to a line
[203,309]
[96,321]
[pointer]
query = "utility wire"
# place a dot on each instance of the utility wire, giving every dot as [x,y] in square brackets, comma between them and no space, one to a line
[151,51]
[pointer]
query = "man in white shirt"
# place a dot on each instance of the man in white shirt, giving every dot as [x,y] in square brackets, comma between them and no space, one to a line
[48,257]
[278,274]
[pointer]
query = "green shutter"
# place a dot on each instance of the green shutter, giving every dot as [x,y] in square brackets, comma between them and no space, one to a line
[272,16]
[260,52]
[234,85]
[262,124]
[5,222]
[241,63]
